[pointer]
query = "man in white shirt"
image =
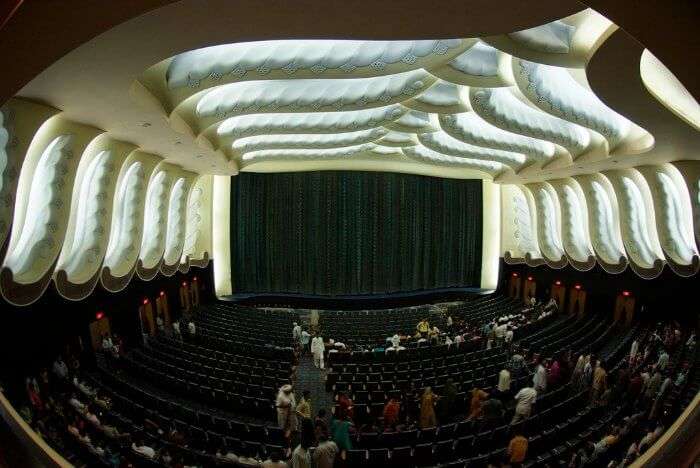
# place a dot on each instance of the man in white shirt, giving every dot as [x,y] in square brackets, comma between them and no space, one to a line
[449,321]
[525,399]
[395,341]
[509,336]
[296,333]
[176,329]
[305,338]
[317,349]
[500,332]
[191,328]
[539,380]
[139,447]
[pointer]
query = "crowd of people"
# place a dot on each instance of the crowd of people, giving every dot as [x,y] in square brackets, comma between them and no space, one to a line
[64,408]
[644,380]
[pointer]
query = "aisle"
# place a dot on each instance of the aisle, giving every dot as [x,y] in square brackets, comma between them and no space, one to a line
[312,379]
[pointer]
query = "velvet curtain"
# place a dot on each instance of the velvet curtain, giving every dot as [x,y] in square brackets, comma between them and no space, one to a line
[345,233]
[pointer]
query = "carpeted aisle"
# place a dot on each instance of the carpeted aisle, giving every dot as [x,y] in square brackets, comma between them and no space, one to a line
[312,379]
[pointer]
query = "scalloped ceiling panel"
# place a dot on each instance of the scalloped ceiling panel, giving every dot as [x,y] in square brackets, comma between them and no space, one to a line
[263,100]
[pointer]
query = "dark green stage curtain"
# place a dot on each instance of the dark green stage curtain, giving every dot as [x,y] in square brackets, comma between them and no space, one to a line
[345,233]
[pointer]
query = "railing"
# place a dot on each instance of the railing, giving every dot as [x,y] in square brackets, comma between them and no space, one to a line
[679,446]
[35,444]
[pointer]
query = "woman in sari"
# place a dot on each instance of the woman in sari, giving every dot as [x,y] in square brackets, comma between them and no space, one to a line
[340,433]
[427,408]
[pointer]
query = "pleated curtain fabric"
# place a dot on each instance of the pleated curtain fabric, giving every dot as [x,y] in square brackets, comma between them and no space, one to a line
[352,233]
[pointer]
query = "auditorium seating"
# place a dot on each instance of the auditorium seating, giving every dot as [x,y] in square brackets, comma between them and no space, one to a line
[365,328]
[218,391]
[243,326]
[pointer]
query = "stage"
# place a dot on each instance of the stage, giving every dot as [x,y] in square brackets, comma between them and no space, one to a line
[355,302]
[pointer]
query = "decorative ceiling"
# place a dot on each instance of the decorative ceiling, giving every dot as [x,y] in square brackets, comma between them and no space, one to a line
[497,107]
[114,160]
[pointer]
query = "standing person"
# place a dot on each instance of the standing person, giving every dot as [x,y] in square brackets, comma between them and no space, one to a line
[326,451]
[503,387]
[296,334]
[301,457]
[345,406]
[449,322]
[286,404]
[317,349]
[517,449]
[448,402]
[634,349]
[600,382]
[391,412]
[340,433]
[539,380]
[320,425]
[492,409]
[475,406]
[305,338]
[525,399]
[303,409]
[554,376]
[427,408]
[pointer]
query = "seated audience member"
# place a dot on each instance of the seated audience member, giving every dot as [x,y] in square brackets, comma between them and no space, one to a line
[224,454]
[77,404]
[166,457]
[191,328]
[247,458]
[275,461]
[517,449]
[141,448]
[60,369]
[176,329]
[107,343]
[423,327]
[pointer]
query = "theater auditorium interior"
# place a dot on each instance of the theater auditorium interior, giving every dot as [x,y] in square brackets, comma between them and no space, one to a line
[344,233]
